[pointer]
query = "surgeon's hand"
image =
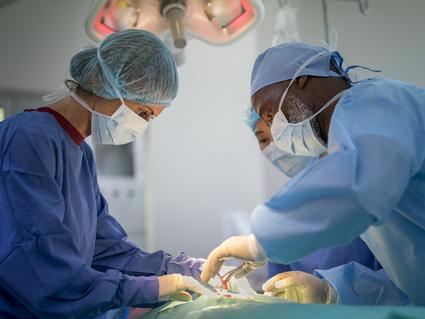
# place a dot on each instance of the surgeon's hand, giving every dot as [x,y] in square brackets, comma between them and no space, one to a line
[186,266]
[245,248]
[174,286]
[300,287]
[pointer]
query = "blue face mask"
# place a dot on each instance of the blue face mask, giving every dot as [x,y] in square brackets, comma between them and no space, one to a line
[288,164]
[298,139]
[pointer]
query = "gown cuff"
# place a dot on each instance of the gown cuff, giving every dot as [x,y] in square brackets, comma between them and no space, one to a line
[141,290]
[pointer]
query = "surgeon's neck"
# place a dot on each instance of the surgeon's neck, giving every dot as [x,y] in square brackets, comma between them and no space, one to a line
[328,88]
[74,113]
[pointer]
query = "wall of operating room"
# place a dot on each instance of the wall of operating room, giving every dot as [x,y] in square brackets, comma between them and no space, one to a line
[204,162]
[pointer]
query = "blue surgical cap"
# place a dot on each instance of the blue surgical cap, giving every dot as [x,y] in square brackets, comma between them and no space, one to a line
[280,63]
[251,118]
[135,62]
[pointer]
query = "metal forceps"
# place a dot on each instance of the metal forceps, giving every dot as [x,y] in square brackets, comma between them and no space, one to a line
[225,279]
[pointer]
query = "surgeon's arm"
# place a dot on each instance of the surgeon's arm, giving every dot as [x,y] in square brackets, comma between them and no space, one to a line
[373,152]
[114,251]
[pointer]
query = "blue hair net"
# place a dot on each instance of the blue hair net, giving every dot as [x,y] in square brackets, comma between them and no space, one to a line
[280,63]
[251,118]
[132,63]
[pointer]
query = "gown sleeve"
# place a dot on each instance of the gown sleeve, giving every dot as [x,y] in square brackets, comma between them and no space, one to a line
[114,251]
[360,285]
[40,265]
[374,148]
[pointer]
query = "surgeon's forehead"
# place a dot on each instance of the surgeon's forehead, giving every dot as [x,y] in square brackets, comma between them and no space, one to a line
[268,96]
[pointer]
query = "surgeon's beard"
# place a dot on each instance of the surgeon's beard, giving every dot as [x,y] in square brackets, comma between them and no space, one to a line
[298,111]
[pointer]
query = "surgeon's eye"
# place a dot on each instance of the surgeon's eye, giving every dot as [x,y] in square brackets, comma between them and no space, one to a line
[267,118]
[263,142]
[146,115]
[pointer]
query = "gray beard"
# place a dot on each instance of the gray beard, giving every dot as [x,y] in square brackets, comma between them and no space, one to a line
[298,111]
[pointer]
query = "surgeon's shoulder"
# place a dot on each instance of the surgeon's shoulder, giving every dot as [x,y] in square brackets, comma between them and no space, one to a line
[30,133]
[375,91]
[38,125]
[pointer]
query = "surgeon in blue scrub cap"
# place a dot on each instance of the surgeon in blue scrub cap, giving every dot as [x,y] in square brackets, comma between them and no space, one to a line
[322,259]
[365,177]
[62,255]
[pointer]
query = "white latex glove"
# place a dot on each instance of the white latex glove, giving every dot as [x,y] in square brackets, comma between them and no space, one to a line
[246,248]
[175,285]
[300,287]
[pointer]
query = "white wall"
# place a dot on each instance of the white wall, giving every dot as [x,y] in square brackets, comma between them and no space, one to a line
[391,37]
[37,40]
[205,158]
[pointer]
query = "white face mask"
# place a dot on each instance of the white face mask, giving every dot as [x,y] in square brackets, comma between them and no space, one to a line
[288,164]
[122,127]
[298,139]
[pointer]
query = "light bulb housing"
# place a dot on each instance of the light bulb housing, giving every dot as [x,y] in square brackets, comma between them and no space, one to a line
[217,22]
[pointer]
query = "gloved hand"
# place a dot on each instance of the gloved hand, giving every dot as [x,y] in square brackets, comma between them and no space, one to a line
[300,287]
[173,286]
[186,266]
[245,248]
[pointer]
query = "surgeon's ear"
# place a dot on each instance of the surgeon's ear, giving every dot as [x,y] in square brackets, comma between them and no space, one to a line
[302,81]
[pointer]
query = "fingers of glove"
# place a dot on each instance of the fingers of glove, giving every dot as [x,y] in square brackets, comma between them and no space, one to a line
[285,283]
[189,283]
[303,288]
[285,286]
[168,284]
[181,296]
[212,266]
[236,247]
[269,285]
[297,277]
[290,294]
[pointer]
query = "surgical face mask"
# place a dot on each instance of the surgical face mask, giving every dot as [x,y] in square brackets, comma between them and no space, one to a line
[288,164]
[298,111]
[299,139]
[122,127]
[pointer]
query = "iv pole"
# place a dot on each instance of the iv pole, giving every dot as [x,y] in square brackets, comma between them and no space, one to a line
[363,7]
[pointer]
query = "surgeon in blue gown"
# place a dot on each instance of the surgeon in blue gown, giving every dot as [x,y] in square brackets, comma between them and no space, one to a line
[62,255]
[357,151]
[322,259]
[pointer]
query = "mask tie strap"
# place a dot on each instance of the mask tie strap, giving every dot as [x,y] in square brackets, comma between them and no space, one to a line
[295,76]
[84,104]
[335,98]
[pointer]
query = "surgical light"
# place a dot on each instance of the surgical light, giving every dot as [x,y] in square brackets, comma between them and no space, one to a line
[217,22]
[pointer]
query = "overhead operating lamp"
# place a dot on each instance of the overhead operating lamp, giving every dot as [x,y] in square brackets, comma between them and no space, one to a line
[217,22]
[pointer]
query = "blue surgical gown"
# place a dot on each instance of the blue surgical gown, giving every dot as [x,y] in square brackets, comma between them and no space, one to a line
[371,183]
[62,254]
[328,258]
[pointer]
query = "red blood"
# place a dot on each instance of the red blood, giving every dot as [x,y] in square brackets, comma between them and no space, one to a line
[224,283]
